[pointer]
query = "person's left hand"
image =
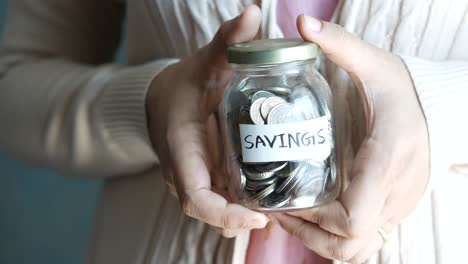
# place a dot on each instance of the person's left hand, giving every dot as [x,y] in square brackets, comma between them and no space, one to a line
[391,169]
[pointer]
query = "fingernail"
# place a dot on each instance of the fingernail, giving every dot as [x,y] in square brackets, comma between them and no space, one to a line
[312,24]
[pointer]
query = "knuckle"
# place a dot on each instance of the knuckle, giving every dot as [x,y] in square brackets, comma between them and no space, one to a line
[333,248]
[339,250]
[300,230]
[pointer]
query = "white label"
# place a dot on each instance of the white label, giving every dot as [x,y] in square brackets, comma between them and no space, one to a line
[286,142]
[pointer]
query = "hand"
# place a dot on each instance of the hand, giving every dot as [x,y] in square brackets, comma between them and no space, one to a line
[391,169]
[182,105]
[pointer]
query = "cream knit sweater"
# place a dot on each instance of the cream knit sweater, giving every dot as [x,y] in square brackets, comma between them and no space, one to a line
[64,105]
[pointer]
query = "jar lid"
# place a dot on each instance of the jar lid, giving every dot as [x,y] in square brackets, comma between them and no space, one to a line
[272,51]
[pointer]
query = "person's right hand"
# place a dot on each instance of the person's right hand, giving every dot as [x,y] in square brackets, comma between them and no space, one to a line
[182,104]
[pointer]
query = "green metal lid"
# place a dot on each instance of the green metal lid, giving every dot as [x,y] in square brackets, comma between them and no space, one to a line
[272,51]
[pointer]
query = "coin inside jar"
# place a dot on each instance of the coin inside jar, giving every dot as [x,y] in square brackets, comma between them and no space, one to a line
[253,185]
[275,200]
[271,167]
[264,193]
[268,104]
[281,91]
[255,112]
[290,182]
[282,113]
[261,94]
[253,174]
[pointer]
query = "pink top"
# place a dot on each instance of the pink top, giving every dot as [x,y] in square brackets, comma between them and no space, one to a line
[274,245]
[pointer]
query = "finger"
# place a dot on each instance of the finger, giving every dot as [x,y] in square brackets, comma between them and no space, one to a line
[343,48]
[193,184]
[362,205]
[325,244]
[228,233]
[376,243]
[240,29]
[213,57]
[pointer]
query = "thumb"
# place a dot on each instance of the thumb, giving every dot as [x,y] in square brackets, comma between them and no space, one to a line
[240,29]
[343,48]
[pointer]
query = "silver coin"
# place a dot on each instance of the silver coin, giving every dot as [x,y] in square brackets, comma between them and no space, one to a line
[290,182]
[260,94]
[275,201]
[282,91]
[255,175]
[287,171]
[268,104]
[243,180]
[311,187]
[264,193]
[282,113]
[272,166]
[259,185]
[311,182]
[255,113]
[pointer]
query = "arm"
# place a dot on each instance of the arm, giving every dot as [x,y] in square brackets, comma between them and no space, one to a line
[442,89]
[61,106]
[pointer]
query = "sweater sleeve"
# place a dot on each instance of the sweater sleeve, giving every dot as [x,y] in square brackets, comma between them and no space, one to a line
[62,104]
[442,88]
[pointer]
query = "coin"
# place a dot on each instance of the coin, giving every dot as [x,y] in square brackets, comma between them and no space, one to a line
[290,182]
[275,200]
[259,185]
[253,174]
[243,180]
[310,187]
[268,104]
[255,113]
[260,94]
[288,170]
[271,166]
[282,113]
[279,91]
[311,181]
[264,193]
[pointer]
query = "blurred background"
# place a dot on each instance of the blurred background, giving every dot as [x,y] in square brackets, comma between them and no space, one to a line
[44,217]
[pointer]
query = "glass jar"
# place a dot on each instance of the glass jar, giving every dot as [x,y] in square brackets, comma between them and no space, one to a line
[278,127]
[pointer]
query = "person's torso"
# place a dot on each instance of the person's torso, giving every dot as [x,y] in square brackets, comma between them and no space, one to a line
[176,28]
[432,29]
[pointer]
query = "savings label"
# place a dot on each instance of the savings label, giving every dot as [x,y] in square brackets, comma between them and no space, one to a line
[301,140]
